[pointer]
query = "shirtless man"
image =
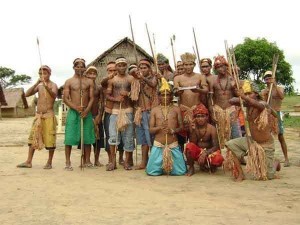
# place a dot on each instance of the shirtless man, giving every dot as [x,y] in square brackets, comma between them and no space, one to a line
[111,72]
[77,111]
[275,102]
[97,113]
[164,68]
[43,131]
[204,145]
[165,122]
[205,65]
[260,134]
[119,90]
[188,87]
[223,89]
[147,100]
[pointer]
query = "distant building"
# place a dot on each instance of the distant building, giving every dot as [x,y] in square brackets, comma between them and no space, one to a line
[16,103]
[125,48]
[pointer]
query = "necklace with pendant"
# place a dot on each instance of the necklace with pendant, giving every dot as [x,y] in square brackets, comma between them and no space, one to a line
[202,136]
[225,88]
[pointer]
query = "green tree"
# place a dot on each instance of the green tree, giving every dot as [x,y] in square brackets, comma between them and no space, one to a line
[8,78]
[254,57]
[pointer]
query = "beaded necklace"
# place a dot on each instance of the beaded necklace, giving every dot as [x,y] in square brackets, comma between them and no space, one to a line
[225,88]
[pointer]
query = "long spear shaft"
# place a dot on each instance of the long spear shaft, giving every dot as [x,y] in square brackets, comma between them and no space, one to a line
[152,51]
[173,52]
[136,61]
[197,51]
[81,125]
[228,57]
[134,45]
[238,87]
[38,44]
[274,68]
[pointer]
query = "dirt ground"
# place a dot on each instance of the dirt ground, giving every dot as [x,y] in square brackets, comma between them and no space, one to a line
[94,196]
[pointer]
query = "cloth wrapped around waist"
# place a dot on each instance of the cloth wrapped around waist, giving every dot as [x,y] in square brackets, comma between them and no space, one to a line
[37,142]
[167,164]
[160,145]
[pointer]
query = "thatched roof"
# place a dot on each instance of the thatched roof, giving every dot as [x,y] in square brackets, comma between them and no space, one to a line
[126,39]
[2,97]
[13,96]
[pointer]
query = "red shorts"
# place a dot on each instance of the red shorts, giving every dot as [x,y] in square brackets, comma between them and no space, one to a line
[216,158]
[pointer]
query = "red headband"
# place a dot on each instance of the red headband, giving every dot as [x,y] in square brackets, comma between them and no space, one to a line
[200,109]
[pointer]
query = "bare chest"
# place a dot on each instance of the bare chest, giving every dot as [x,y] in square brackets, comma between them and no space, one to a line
[189,81]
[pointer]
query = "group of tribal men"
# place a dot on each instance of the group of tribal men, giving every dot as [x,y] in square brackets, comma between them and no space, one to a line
[133,101]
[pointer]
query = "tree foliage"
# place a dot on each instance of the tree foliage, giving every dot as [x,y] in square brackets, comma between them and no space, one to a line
[254,57]
[8,78]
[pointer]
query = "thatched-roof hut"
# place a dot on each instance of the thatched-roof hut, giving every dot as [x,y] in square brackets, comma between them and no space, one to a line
[125,48]
[16,103]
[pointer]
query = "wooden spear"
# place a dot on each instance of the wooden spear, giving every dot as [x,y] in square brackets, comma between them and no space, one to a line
[134,45]
[197,51]
[274,68]
[81,125]
[235,76]
[136,62]
[228,57]
[152,50]
[173,50]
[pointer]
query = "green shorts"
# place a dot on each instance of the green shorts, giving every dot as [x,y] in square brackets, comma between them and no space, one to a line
[72,130]
[239,147]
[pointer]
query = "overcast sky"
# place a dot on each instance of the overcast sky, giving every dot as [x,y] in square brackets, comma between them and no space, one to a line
[71,29]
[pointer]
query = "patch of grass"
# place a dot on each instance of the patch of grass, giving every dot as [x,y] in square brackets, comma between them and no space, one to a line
[289,102]
[291,121]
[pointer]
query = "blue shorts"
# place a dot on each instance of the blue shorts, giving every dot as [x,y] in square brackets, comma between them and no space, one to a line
[156,160]
[106,130]
[280,122]
[236,131]
[143,136]
[126,136]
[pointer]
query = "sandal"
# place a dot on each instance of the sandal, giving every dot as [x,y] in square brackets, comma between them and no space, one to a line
[90,165]
[69,168]
[127,167]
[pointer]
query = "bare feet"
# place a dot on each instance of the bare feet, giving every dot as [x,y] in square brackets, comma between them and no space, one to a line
[47,166]
[239,178]
[140,167]
[24,165]
[191,171]
[276,165]
[286,163]
[110,167]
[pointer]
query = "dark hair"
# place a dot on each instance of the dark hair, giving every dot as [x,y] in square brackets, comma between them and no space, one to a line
[111,62]
[78,60]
